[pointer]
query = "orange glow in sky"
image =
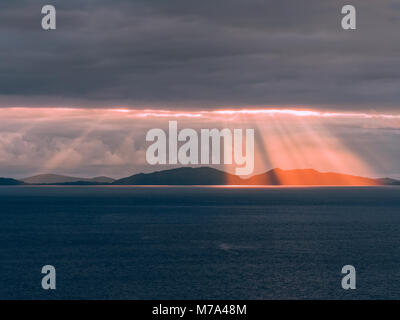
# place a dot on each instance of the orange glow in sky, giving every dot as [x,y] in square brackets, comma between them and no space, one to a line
[285,138]
[222,114]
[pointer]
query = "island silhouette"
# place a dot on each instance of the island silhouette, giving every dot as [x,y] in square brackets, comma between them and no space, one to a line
[211,176]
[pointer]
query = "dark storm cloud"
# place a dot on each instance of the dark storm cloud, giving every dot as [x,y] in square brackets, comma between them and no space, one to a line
[210,53]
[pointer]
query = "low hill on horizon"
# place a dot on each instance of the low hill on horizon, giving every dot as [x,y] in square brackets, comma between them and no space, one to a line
[310,177]
[50,178]
[10,182]
[181,176]
[211,176]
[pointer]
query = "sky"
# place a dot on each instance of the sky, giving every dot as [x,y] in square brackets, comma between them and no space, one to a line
[61,91]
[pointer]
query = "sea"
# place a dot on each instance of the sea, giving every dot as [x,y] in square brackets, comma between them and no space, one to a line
[126,242]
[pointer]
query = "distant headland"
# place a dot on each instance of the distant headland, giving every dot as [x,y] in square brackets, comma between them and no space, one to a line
[211,176]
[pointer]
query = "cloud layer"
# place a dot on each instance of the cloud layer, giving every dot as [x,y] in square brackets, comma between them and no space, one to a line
[94,142]
[200,54]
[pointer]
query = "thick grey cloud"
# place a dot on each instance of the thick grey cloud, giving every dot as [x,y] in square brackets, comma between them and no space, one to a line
[200,54]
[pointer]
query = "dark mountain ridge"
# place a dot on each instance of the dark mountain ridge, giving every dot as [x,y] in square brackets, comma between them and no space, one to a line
[10,182]
[50,178]
[211,176]
[181,176]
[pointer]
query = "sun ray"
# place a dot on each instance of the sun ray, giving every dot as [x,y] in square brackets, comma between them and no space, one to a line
[285,138]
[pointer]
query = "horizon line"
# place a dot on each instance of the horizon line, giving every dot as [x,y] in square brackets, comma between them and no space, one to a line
[194,168]
[297,111]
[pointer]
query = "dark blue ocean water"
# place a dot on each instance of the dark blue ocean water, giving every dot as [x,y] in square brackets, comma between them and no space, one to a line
[199,243]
